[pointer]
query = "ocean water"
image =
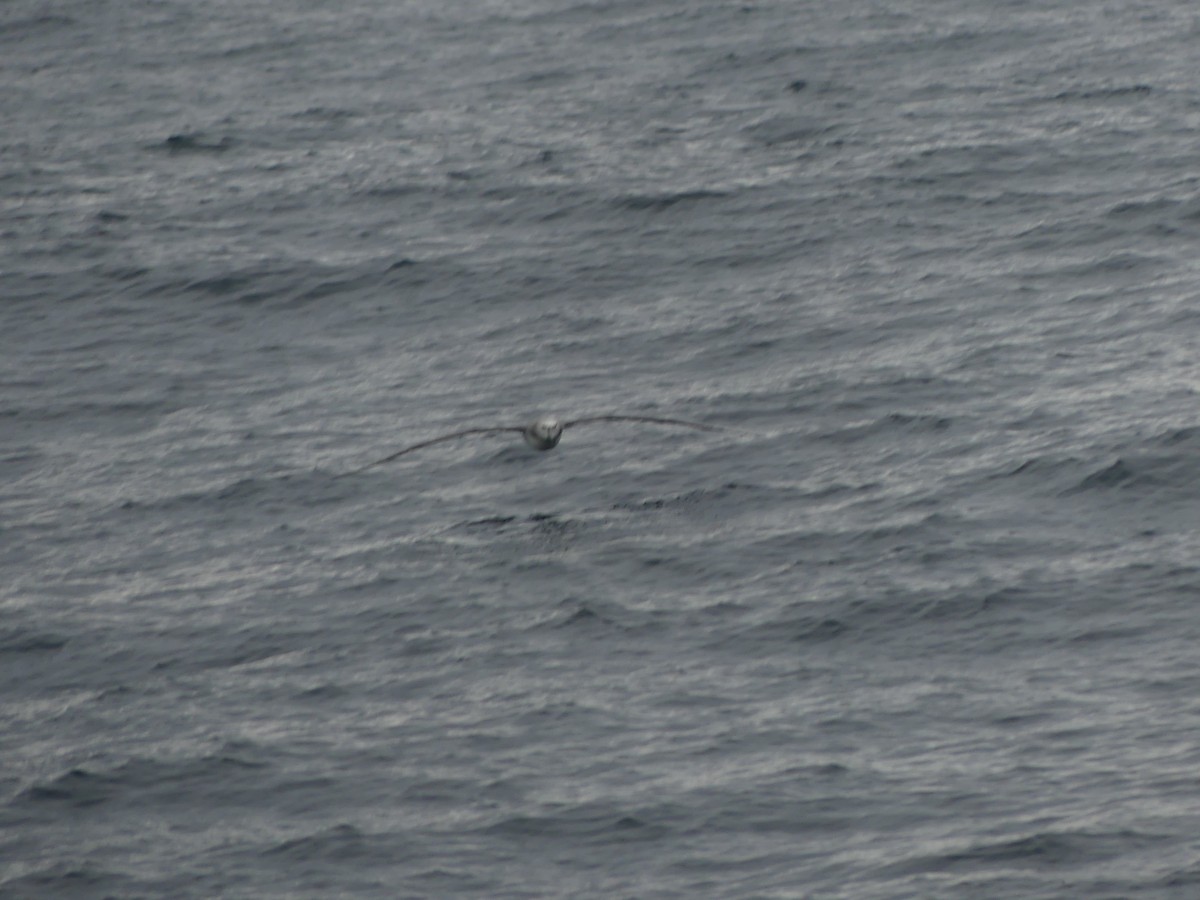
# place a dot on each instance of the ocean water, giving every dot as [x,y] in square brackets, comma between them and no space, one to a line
[919,621]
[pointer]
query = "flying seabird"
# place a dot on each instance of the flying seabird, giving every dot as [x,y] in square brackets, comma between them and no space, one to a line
[541,434]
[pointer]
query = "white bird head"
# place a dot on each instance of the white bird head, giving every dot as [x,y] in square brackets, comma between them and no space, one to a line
[543,433]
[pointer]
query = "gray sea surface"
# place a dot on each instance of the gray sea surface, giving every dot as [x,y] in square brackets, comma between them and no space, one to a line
[919,621]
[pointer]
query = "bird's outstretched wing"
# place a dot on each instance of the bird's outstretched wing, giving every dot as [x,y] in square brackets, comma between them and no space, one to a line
[654,419]
[437,440]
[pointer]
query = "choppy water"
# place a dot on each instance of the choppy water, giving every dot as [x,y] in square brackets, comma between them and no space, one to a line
[919,622]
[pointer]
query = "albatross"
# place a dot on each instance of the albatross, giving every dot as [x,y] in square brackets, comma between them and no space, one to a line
[542,433]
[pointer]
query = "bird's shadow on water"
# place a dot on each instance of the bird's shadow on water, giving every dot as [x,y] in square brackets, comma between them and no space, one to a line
[509,496]
[539,533]
[550,531]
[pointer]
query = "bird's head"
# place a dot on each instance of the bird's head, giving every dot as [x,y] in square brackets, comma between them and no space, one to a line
[543,433]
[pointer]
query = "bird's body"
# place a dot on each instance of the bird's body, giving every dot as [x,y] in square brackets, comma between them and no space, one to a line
[542,433]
